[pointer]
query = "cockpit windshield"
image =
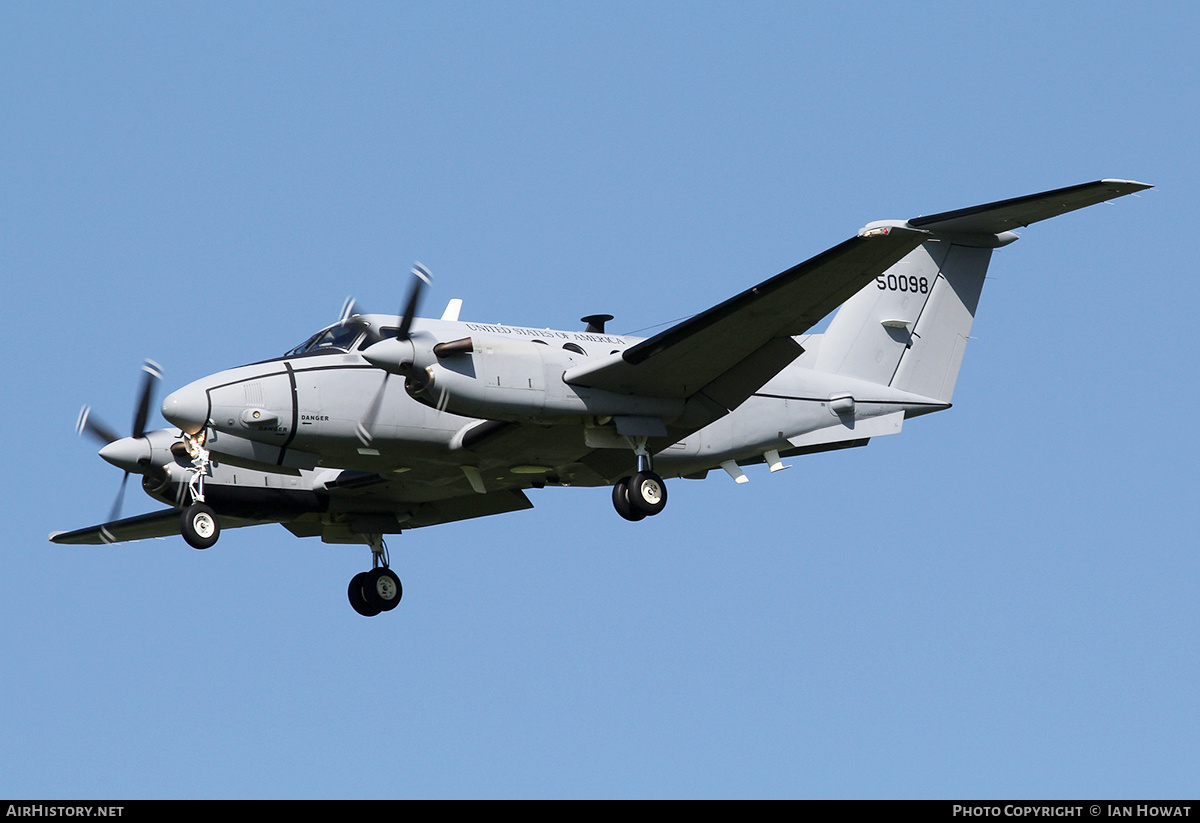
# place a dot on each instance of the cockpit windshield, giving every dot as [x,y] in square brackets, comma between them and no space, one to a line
[339,338]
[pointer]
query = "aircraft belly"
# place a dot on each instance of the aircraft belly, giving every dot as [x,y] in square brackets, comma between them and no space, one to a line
[800,410]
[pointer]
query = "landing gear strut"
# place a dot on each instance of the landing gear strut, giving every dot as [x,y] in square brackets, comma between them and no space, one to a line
[378,590]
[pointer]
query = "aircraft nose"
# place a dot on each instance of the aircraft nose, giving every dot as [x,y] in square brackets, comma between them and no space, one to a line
[187,408]
[127,453]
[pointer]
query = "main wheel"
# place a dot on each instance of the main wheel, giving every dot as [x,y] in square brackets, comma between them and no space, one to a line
[621,501]
[381,589]
[647,493]
[358,600]
[199,527]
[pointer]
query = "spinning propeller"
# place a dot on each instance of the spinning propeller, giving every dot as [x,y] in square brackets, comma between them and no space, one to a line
[402,353]
[129,453]
[421,279]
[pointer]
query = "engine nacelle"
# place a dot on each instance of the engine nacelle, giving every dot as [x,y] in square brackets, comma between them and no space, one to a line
[503,379]
[458,393]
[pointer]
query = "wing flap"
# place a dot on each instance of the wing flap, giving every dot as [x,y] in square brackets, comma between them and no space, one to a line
[732,388]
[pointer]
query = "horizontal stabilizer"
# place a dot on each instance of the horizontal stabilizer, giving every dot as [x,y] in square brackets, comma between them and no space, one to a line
[851,429]
[1006,215]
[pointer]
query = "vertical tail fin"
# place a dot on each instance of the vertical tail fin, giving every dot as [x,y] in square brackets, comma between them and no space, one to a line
[909,328]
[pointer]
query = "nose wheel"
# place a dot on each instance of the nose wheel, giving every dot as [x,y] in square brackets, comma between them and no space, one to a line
[199,527]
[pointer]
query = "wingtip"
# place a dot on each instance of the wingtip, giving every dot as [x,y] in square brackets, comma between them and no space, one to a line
[1131,185]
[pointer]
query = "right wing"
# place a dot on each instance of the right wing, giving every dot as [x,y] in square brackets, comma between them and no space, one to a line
[732,349]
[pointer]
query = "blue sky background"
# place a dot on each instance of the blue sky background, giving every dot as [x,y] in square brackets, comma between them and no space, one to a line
[1001,602]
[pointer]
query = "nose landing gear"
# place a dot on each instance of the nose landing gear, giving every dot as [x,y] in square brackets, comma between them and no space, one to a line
[198,524]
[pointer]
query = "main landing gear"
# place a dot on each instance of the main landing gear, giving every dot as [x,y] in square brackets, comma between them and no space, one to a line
[378,590]
[642,495]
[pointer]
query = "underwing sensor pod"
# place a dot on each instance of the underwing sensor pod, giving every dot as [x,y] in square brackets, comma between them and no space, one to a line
[380,423]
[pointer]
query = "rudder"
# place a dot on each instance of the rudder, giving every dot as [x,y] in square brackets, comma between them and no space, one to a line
[909,327]
[930,362]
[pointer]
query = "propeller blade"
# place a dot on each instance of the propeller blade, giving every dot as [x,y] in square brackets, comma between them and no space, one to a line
[115,512]
[422,279]
[95,428]
[153,375]
[368,422]
[133,454]
[349,309]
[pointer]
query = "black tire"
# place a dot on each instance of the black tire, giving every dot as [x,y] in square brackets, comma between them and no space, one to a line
[382,590]
[199,526]
[358,601]
[647,493]
[621,501]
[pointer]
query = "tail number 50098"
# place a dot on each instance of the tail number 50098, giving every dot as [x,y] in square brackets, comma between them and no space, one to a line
[903,282]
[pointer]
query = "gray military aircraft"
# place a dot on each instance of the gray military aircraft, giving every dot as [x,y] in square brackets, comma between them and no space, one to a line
[381,423]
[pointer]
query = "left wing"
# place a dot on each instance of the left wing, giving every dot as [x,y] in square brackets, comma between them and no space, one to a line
[163,523]
[732,349]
